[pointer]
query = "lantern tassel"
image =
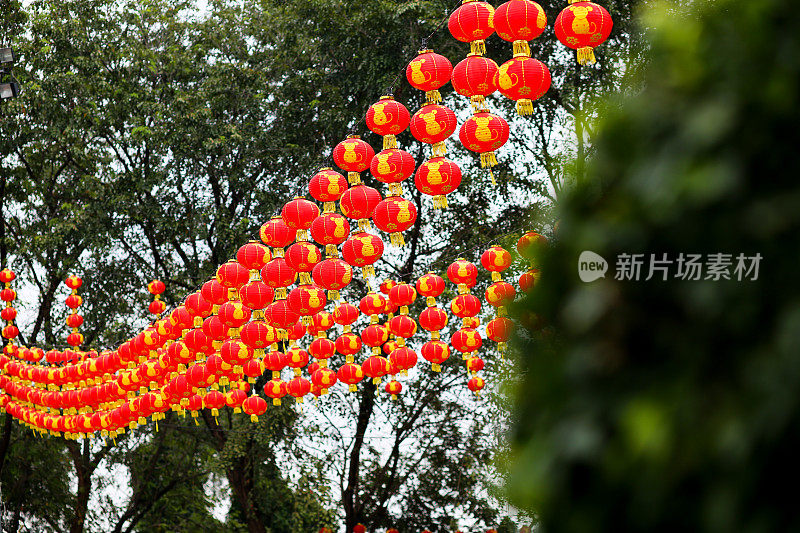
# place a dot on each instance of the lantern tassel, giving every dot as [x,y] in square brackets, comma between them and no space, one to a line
[524,107]
[276,401]
[521,48]
[363,224]
[433,97]
[586,56]
[397,239]
[439,149]
[478,102]
[478,47]
[354,178]
[306,320]
[368,271]
[329,207]
[396,189]
[253,419]
[488,159]
[353,387]
[439,201]
[333,295]
[436,367]
[376,381]
[389,142]
[331,251]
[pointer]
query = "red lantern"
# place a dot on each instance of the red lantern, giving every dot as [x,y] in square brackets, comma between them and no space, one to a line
[327,186]
[333,275]
[394,215]
[403,358]
[73,301]
[253,255]
[500,294]
[296,358]
[529,279]
[281,316]
[402,295]
[256,295]
[476,78]
[348,344]
[330,229]
[429,72]
[235,352]
[353,155]
[430,285]
[156,307]
[302,256]
[275,389]
[520,21]
[258,334]
[214,292]
[433,124]
[484,133]
[277,233]
[232,275]
[372,304]
[394,388]
[466,340]
[299,213]
[359,203]
[523,79]
[9,313]
[375,367]
[345,314]
[375,335]
[254,406]
[465,305]
[234,314]
[324,378]
[582,26]
[500,329]
[351,374]
[531,245]
[307,300]
[475,364]
[73,339]
[392,166]
[436,352]
[298,387]
[322,348]
[472,23]
[438,177]
[321,322]
[73,282]
[475,385]
[433,319]
[462,272]
[403,326]
[156,287]
[387,118]
[496,259]
[279,275]
[363,249]
[7,276]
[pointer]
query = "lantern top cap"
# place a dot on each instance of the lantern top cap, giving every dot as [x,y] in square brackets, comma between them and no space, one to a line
[354,136]
[387,97]
[325,168]
[425,51]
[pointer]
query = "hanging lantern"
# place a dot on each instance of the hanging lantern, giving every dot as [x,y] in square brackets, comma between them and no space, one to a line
[476,78]
[394,388]
[214,400]
[523,79]
[333,275]
[475,385]
[395,215]
[431,286]
[277,234]
[232,275]
[354,156]
[372,304]
[392,166]
[258,334]
[472,23]
[438,177]
[433,124]
[298,387]
[348,344]
[484,133]
[296,358]
[73,301]
[254,406]
[388,118]
[375,367]
[320,323]
[375,335]
[275,389]
[582,26]
[531,245]
[465,305]
[529,279]
[324,378]
[322,349]
[474,365]
[358,203]
[279,275]
[429,72]
[436,352]
[327,186]
[402,326]
[466,340]
[299,214]
[330,229]
[302,257]
[496,259]
[403,358]
[520,21]
[363,250]
[234,314]
[500,294]
[256,295]
[462,273]
[345,314]
[307,300]
[253,256]
[351,374]
[214,293]
[281,316]
[499,330]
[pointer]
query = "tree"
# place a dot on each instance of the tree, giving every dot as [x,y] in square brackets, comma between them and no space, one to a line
[664,405]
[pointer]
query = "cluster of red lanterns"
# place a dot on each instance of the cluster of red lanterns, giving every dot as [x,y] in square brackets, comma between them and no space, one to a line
[74,320]
[9,313]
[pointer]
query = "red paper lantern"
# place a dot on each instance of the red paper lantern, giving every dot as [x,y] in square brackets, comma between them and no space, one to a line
[363,249]
[520,21]
[466,340]
[529,279]
[500,294]
[429,72]
[394,388]
[73,301]
[404,358]
[438,177]
[475,364]
[402,294]
[299,213]
[73,282]
[353,155]
[256,295]
[298,387]
[330,229]
[394,215]
[359,203]
[307,300]
[156,307]
[302,256]
[333,275]
[348,344]
[392,166]
[387,118]
[324,378]
[433,319]
[500,329]
[531,245]
[476,384]
[277,233]
[234,314]
[372,304]
[351,374]
[254,406]
[496,259]
[582,26]
[215,329]
[430,285]
[327,186]
[345,314]
[275,389]
[214,292]
[232,275]
[472,23]
[253,255]
[73,339]
[403,326]
[296,358]
[375,367]
[436,352]
[322,348]
[7,276]
[9,313]
[156,287]
[235,352]
[462,272]
[433,124]
[281,315]
[278,274]
[321,322]
[523,79]
[375,335]
[484,133]
[465,305]
[476,78]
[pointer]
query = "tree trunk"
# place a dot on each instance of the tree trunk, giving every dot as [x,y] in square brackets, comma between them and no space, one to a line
[242,488]
[352,509]
[83,472]
[5,440]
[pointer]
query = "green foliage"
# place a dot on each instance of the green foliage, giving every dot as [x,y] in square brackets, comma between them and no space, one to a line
[671,405]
